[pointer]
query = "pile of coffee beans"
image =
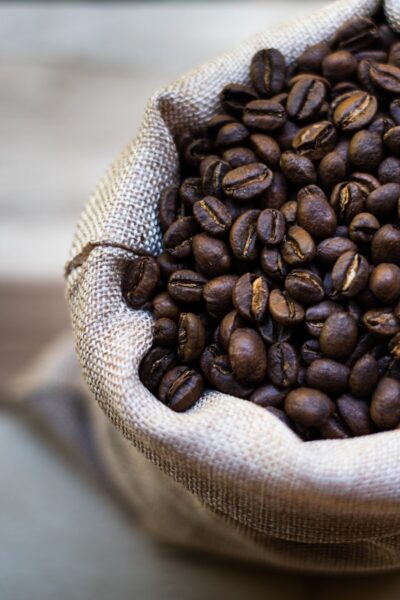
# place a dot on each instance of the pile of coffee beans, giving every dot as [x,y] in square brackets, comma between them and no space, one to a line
[280,277]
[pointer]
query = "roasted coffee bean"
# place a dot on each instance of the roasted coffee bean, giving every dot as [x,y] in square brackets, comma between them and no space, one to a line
[342,231]
[247,355]
[191,337]
[343,87]
[283,365]
[239,156]
[267,149]
[268,395]
[316,140]
[140,280]
[186,286]
[231,134]
[170,207]
[330,291]
[308,406]
[385,405]
[356,34]
[235,96]
[267,72]
[385,245]
[395,110]
[211,158]
[392,140]
[310,351]
[334,429]
[178,237]
[338,336]
[272,263]
[165,332]
[298,247]
[266,115]
[305,77]
[305,99]
[328,376]
[381,125]
[314,213]
[310,60]
[316,315]
[271,226]
[339,65]
[347,199]
[212,216]
[243,236]
[164,306]
[363,228]
[233,320]
[384,200]
[355,413]
[289,211]
[381,321]
[181,388]
[154,365]
[218,371]
[331,170]
[168,264]
[386,78]
[212,255]
[273,332]
[304,286]
[196,150]
[389,170]
[384,282]
[217,121]
[284,309]
[350,273]
[247,182]
[217,294]
[286,134]
[354,111]
[365,181]
[250,296]
[364,376]
[276,194]
[213,175]
[330,249]
[299,170]
[191,190]
[365,150]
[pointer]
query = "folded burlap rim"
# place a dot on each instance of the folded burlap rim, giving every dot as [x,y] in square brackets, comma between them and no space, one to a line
[237,459]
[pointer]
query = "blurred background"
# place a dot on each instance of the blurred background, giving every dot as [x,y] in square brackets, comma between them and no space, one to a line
[74,80]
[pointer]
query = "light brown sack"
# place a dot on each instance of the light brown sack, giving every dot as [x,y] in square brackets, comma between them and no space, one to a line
[226,476]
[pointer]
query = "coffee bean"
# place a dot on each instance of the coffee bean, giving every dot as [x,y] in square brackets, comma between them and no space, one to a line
[243,236]
[334,429]
[140,279]
[267,72]
[165,332]
[231,134]
[385,405]
[286,134]
[234,97]
[392,140]
[186,286]
[363,228]
[217,294]
[385,77]
[395,110]
[339,65]
[316,315]
[311,58]
[389,170]
[305,99]
[310,351]
[169,208]
[331,170]
[355,413]
[181,388]
[316,140]
[248,181]
[218,371]
[191,190]
[271,226]
[154,365]
[164,306]
[284,309]
[381,321]
[356,34]
[330,249]
[355,111]
[299,170]
[168,264]
[304,286]
[250,296]
[267,149]
[212,255]
[283,365]
[191,337]
[196,150]
[308,406]
[276,194]
[273,264]
[366,182]
[268,395]
[381,125]
[206,162]
[212,216]
[233,320]
[289,211]
[364,376]
[213,175]
[385,245]
[273,332]
[298,247]
[239,156]
[350,273]
[385,282]
[338,336]
[247,355]
[383,201]
[178,237]
[347,199]
[366,150]
[314,213]
[328,376]
[266,115]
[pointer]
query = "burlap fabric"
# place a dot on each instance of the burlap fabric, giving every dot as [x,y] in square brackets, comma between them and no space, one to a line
[226,475]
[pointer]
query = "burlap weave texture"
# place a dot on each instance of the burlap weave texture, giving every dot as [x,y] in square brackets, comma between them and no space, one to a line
[330,505]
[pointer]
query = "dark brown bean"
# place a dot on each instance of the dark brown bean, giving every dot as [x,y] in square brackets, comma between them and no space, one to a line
[305,99]
[247,355]
[191,337]
[385,245]
[381,321]
[385,405]
[266,148]
[282,365]
[239,156]
[355,413]
[308,406]
[273,264]
[271,226]
[316,315]
[266,115]
[186,286]
[366,150]
[364,376]
[267,72]
[299,170]
[213,175]
[212,255]
[165,332]
[338,336]
[331,170]
[328,376]
[217,294]
[304,286]
[347,199]
[383,201]
[243,236]
[268,395]
[350,274]
[385,77]
[316,140]
[248,181]
[298,247]
[154,365]
[354,111]
[384,282]
[235,96]
[181,388]
[356,34]
[178,237]
[212,216]
[315,214]
[330,249]
[250,296]
[284,309]
[140,280]
[233,320]
[363,227]
[164,306]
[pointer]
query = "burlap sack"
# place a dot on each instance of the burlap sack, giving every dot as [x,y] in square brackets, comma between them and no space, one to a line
[226,476]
